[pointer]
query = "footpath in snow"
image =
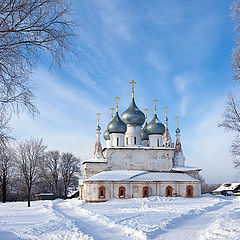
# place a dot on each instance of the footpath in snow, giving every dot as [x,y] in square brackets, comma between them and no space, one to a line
[207,217]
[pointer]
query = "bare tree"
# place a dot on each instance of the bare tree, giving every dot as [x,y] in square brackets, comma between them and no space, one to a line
[5,130]
[28,29]
[235,8]
[6,168]
[49,167]
[231,122]
[231,114]
[28,156]
[69,167]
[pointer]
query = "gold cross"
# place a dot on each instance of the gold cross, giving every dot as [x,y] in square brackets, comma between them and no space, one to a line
[111,112]
[146,112]
[98,114]
[155,106]
[132,82]
[177,120]
[117,98]
[166,111]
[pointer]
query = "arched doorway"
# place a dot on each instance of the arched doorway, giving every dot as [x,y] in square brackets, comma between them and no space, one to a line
[145,192]
[168,191]
[121,192]
[189,191]
[101,192]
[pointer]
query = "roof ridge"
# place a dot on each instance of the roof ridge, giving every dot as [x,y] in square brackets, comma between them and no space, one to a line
[139,174]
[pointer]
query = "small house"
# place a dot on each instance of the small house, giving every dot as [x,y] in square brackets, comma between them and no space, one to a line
[228,189]
[44,196]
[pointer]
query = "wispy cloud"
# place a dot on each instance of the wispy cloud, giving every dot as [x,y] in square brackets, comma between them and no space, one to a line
[181,84]
[67,115]
[207,146]
[114,18]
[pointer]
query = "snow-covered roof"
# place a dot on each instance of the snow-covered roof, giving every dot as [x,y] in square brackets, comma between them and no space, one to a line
[115,175]
[141,176]
[227,187]
[185,169]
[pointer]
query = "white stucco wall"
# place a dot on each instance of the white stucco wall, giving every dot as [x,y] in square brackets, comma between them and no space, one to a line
[140,159]
[135,189]
[91,168]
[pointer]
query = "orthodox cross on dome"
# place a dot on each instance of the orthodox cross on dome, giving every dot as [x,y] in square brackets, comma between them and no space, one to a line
[112,109]
[132,82]
[117,98]
[166,111]
[146,114]
[98,114]
[177,121]
[155,106]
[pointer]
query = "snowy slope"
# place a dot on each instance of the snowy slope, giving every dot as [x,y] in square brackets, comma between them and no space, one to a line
[207,217]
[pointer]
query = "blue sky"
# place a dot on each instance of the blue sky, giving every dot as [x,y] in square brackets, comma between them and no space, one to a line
[177,51]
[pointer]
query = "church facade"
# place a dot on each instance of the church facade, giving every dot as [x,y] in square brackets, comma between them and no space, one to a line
[138,161]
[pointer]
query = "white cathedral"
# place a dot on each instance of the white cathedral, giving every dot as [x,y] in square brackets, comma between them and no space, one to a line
[137,161]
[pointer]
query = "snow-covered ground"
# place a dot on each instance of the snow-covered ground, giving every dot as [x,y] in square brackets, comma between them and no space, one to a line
[206,217]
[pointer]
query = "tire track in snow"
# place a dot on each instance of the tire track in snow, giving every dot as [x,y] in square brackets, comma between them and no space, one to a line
[189,225]
[95,225]
[178,221]
[69,228]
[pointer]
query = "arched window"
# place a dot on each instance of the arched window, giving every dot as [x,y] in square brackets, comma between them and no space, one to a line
[189,191]
[117,141]
[135,140]
[158,145]
[101,192]
[145,192]
[168,191]
[121,192]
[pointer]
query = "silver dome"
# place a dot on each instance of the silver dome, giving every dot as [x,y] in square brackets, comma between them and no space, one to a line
[144,133]
[106,135]
[178,130]
[116,125]
[155,126]
[133,115]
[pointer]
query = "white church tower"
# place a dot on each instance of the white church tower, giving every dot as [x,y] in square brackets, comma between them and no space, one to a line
[97,155]
[167,141]
[134,119]
[155,130]
[179,158]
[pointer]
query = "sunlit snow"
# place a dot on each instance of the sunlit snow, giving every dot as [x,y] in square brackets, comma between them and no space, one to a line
[206,217]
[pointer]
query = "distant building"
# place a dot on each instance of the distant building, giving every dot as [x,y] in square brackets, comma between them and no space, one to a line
[137,161]
[44,196]
[228,189]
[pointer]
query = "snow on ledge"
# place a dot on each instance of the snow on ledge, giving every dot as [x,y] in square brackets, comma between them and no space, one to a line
[186,169]
[95,160]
